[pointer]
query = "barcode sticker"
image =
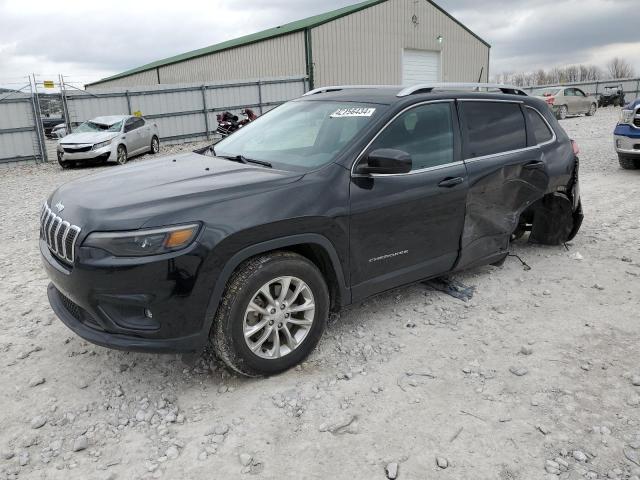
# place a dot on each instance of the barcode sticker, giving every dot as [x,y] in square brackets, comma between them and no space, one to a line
[353,112]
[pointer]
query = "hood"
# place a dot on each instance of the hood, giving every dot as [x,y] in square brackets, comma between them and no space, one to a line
[127,198]
[88,137]
[633,105]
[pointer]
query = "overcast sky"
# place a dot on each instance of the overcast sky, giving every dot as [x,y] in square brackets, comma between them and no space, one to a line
[86,41]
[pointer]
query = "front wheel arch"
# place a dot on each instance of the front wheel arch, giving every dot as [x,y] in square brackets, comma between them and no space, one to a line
[315,247]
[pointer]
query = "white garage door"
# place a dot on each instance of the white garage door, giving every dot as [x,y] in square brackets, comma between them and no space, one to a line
[420,66]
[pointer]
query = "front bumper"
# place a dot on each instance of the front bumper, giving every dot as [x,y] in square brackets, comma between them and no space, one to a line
[103,153]
[107,302]
[626,139]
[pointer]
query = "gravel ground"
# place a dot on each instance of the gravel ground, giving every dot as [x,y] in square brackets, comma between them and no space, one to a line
[537,377]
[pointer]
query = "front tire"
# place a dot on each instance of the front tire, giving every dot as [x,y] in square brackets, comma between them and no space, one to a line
[562,112]
[121,155]
[272,314]
[629,163]
[592,110]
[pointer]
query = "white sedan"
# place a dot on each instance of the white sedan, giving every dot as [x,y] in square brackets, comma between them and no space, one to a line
[111,138]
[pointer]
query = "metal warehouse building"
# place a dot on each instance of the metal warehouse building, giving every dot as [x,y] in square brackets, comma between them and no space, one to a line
[373,42]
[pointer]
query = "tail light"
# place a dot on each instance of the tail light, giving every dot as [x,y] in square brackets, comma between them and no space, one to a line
[576,148]
[550,100]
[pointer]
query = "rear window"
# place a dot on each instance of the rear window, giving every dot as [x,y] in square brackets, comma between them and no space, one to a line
[493,127]
[540,129]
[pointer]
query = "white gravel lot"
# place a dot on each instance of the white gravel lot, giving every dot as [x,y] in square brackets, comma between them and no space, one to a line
[412,377]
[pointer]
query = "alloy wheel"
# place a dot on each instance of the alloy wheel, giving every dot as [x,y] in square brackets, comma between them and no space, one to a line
[155,145]
[122,156]
[279,317]
[563,112]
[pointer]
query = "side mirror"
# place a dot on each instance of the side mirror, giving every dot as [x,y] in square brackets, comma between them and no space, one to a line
[385,161]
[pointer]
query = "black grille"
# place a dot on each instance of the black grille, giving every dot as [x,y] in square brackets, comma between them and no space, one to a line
[73,308]
[60,235]
[79,313]
[77,149]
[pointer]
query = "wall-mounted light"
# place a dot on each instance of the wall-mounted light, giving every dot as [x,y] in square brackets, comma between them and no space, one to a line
[439,38]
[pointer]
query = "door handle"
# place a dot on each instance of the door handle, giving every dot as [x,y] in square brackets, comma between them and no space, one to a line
[451,182]
[536,165]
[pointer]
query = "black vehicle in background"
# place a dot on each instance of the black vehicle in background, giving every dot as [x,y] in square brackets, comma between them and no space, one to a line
[324,201]
[48,123]
[612,95]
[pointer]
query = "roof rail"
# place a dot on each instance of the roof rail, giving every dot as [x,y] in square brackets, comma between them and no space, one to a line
[429,87]
[337,88]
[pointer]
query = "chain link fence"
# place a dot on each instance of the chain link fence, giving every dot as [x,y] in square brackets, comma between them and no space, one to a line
[21,135]
[631,87]
[183,113]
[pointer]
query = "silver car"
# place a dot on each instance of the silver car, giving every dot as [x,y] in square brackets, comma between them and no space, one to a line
[59,131]
[112,138]
[567,101]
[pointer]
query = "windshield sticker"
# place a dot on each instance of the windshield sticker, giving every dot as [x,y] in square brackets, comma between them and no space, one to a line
[353,112]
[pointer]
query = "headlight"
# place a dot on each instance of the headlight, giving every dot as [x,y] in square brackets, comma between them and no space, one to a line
[626,116]
[102,144]
[144,242]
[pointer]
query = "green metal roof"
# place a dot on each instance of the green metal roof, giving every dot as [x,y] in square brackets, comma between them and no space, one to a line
[292,27]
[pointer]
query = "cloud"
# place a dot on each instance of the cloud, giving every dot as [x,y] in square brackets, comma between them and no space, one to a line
[531,34]
[90,40]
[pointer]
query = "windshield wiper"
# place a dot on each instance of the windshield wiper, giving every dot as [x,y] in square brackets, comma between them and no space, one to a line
[243,159]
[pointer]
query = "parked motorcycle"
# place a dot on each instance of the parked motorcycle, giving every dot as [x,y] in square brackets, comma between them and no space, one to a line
[229,123]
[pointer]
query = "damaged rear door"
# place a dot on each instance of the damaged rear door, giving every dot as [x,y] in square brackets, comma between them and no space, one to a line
[505,176]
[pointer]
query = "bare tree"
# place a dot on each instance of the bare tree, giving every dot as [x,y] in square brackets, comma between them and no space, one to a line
[556,75]
[592,73]
[619,68]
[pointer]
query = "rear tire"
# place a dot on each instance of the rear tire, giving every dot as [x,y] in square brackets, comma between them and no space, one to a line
[628,163]
[155,145]
[230,334]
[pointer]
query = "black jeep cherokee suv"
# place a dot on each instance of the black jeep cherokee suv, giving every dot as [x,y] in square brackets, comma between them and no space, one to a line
[336,196]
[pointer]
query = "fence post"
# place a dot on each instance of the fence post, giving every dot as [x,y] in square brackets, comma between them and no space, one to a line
[65,106]
[38,121]
[205,110]
[260,95]
[126,94]
[638,88]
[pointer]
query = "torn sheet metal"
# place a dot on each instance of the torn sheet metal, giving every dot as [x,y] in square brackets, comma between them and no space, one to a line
[500,190]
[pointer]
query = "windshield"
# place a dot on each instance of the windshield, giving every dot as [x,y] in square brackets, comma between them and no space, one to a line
[545,92]
[301,134]
[98,127]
